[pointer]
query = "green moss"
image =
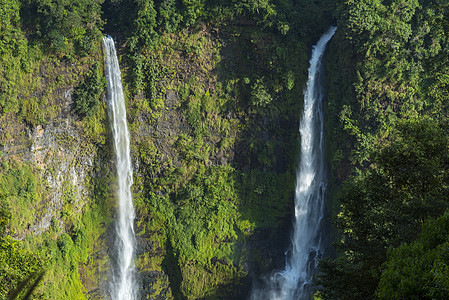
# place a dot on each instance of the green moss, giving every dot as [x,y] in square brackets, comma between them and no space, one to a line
[201,281]
[95,127]
[23,190]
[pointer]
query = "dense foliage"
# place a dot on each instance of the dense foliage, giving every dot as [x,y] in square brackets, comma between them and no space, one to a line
[87,93]
[394,118]
[65,26]
[418,269]
[16,262]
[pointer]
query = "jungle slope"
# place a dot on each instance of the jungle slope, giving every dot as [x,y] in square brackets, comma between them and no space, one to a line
[388,119]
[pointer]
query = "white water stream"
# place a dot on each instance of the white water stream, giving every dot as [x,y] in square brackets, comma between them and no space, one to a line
[123,286]
[294,281]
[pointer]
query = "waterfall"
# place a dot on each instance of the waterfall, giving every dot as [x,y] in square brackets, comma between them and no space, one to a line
[123,286]
[294,281]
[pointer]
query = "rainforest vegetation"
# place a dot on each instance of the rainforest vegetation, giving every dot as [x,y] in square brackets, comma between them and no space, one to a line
[214,94]
[388,96]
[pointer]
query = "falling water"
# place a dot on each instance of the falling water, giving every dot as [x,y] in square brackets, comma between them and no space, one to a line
[123,285]
[294,281]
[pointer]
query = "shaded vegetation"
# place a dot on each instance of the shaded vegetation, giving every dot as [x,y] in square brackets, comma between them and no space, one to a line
[392,113]
[27,286]
[87,93]
[418,269]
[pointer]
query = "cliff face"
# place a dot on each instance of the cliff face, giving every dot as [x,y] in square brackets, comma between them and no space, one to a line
[214,167]
[213,111]
[50,178]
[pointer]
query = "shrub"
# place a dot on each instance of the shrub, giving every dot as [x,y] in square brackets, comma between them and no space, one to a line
[87,94]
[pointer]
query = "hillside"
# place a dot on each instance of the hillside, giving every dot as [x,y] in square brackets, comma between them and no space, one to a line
[388,115]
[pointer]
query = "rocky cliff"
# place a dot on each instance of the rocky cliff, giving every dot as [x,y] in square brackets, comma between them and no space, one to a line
[213,110]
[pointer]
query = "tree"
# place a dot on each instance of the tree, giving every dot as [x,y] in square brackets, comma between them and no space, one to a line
[170,18]
[419,269]
[193,9]
[61,23]
[386,204]
[87,94]
[259,94]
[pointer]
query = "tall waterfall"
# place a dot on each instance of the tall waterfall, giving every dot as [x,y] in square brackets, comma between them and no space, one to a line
[294,281]
[123,286]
